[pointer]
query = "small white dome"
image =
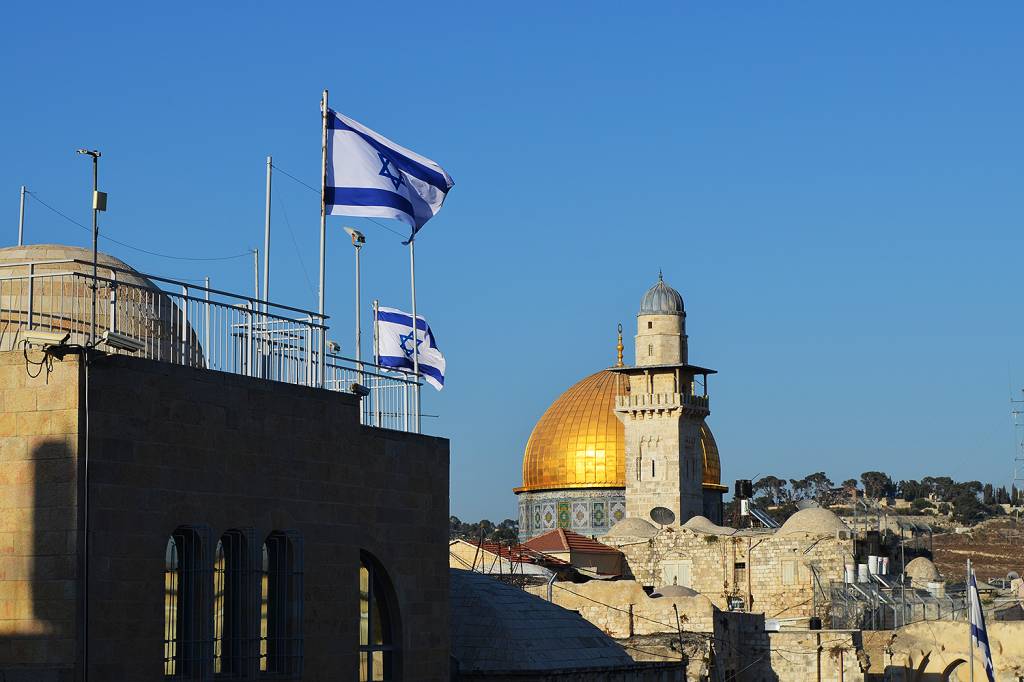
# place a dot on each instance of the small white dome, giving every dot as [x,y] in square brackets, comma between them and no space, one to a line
[815,521]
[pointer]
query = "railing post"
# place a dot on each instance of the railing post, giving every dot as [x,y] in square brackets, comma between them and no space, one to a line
[249,355]
[112,322]
[206,326]
[31,292]
[184,324]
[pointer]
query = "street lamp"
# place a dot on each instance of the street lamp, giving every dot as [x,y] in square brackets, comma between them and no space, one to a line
[99,203]
[358,239]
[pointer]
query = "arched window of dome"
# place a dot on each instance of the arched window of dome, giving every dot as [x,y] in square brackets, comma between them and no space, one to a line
[379,627]
[280,629]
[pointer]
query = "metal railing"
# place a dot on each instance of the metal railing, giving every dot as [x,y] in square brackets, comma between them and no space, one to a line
[181,323]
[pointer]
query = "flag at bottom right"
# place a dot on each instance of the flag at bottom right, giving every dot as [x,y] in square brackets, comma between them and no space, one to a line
[979,635]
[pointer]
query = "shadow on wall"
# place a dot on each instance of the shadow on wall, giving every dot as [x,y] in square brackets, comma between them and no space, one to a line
[39,566]
[956,671]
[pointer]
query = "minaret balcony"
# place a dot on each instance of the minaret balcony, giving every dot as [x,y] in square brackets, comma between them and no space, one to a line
[661,403]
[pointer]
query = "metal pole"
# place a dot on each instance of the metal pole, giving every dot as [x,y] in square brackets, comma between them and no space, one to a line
[359,325]
[21,219]
[323,228]
[415,335]
[266,240]
[256,277]
[970,612]
[95,240]
[376,366]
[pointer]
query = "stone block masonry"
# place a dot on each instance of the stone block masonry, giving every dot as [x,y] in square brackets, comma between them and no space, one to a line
[171,446]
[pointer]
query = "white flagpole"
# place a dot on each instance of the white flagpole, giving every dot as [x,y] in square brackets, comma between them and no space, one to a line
[323,233]
[266,240]
[415,335]
[970,618]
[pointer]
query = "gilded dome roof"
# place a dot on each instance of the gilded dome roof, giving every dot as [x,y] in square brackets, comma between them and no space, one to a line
[580,443]
[661,299]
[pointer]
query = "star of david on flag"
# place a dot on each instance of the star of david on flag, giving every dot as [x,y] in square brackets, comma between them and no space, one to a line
[397,342]
[370,176]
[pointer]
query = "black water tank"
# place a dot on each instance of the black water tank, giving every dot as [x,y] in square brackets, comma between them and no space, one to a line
[744,489]
[815,623]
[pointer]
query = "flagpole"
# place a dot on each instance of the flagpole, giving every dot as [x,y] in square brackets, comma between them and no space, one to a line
[415,334]
[970,618]
[323,232]
[376,367]
[266,240]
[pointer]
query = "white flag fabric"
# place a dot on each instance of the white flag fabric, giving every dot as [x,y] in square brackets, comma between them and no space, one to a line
[396,341]
[979,635]
[368,175]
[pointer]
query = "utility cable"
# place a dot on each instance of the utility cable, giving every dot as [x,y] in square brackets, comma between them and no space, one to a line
[35,197]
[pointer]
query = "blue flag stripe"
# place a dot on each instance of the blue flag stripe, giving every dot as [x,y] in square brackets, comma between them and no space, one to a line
[401,362]
[384,316]
[401,161]
[363,196]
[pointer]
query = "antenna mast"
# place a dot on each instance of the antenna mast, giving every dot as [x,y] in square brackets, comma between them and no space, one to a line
[1017,415]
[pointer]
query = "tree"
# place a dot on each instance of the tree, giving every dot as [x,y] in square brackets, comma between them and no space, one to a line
[876,484]
[988,494]
[921,503]
[773,491]
[967,510]
[944,508]
[911,490]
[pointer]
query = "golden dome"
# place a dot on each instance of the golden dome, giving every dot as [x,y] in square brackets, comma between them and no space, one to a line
[580,443]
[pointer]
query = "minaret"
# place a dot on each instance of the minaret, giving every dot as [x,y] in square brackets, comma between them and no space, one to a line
[662,413]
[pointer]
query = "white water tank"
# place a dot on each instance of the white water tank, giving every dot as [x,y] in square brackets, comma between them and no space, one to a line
[862,573]
[850,573]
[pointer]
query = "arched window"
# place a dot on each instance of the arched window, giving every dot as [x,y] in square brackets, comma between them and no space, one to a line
[185,599]
[233,587]
[280,631]
[378,624]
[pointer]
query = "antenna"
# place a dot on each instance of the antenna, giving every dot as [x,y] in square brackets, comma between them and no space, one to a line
[1017,416]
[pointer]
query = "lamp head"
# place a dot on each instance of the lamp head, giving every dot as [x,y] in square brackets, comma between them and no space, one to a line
[358,238]
[94,153]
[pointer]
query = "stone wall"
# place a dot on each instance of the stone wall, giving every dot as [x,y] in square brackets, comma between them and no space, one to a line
[171,446]
[820,655]
[770,573]
[39,446]
[651,672]
[937,650]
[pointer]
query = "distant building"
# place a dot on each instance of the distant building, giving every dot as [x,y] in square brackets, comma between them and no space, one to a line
[627,440]
[583,553]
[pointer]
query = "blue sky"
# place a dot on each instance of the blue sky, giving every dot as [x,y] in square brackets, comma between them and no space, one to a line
[836,191]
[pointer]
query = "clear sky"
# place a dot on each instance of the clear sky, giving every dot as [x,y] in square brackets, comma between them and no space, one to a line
[835,190]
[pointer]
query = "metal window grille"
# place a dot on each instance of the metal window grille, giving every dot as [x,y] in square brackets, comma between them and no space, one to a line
[186,595]
[280,629]
[377,650]
[234,609]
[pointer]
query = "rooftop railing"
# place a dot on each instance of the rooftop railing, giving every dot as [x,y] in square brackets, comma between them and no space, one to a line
[182,323]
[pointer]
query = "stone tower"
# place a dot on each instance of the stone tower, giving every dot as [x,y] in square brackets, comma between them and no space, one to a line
[662,412]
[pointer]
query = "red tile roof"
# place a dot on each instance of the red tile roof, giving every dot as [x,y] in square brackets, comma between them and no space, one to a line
[561,540]
[520,553]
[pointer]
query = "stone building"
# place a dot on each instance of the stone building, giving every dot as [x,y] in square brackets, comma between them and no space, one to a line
[784,572]
[626,433]
[161,520]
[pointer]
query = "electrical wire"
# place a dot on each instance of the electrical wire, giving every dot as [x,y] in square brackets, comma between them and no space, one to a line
[295,243]
[314,189]
[71,220]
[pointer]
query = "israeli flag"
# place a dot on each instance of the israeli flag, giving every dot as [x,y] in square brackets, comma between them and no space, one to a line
[979,635]
[396,343]
[368,175]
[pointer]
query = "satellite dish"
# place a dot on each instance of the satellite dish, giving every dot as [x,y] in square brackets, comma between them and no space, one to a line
[663,516]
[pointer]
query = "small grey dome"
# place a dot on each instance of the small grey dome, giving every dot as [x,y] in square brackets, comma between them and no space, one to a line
[661,299]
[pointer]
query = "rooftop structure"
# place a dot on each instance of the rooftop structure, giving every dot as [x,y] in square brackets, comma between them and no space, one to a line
[49,288]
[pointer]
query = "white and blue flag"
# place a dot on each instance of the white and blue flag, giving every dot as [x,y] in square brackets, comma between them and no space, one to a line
[370,176]
[979,635]
[396,343]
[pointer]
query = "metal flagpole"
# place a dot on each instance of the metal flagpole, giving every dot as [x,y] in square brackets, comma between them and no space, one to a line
[323,232]
[21,219]
[266,240]
[970,617]
[415,335]
[376,366]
